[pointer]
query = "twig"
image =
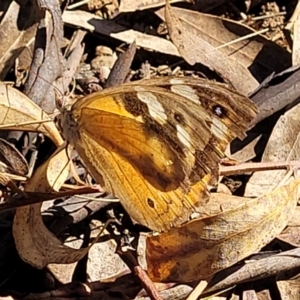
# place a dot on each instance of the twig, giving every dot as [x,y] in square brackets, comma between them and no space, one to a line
[141,274]
[254,167]
[250,35]
[258,18]
[80,3]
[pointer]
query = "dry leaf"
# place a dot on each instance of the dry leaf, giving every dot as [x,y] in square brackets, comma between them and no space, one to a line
[295,220]
[36,245]
[193,49]
[283,145]
[21,23]
[18,112]
[11,160]
[296,42]
[294,26]
[205,246]
[95,24]
[291,235]
[256,53]
[289,289]
[249,295]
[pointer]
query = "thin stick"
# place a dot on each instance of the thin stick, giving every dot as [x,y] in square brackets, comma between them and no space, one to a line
[8,126]
[128,257]
[282,13]
[80,3]
[254,167]
[250,35]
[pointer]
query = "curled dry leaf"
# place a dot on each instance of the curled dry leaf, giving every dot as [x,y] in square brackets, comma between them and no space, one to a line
[35,243]
[194,49]
[205,246]
[18,112]
[283,145]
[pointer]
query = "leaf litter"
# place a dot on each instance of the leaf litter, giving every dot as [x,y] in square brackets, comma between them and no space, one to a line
[51,233]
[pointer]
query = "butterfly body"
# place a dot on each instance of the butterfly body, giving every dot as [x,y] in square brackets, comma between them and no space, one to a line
[156,143]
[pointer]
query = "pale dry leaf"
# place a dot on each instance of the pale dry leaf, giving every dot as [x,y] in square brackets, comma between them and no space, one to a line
[293,18]
[219,203]
[249,295]
[296,35]
[256,53]
[246,153]
[283,145]
[291,235]
[194,49]
[18,112]
[264,294]
[205,246]
[295,221]
[289,289]
[36,245]
[95,24]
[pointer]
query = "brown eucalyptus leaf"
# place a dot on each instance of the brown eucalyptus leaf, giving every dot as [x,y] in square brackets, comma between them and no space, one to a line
[13,161]
[205,246]
[194,49]
[36,245]
[18,112]
[17,28]
[258,54]
[283,145]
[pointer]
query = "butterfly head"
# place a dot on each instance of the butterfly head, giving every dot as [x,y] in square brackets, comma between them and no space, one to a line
[67,124]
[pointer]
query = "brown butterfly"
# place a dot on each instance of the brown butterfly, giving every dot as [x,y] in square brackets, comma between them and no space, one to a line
[156,143]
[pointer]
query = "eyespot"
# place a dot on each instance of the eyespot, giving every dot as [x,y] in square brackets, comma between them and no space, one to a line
[179,118]
[219,111]
[151,203]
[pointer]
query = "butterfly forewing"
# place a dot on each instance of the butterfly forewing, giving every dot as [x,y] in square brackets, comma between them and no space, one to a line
[157,143]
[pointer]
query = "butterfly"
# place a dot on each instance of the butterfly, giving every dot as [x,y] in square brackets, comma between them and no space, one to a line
[156,143]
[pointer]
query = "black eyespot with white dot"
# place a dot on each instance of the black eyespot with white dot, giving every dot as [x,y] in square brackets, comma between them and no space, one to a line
[219,111]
